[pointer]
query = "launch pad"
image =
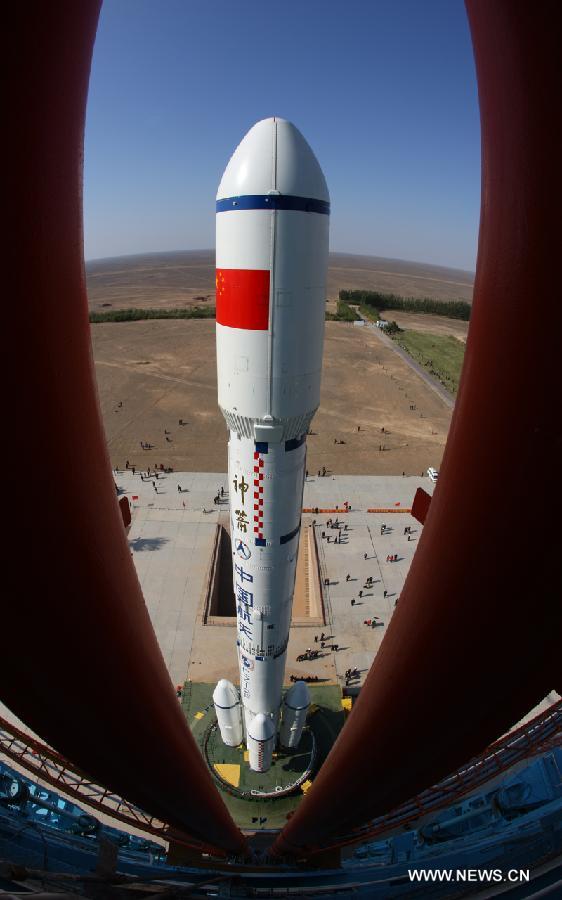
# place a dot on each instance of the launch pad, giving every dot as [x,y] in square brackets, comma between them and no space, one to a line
[219,606]
[289,771]
[263,800]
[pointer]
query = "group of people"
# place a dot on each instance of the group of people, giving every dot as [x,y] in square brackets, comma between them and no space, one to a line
[160,467]
[336,525]
[351,675]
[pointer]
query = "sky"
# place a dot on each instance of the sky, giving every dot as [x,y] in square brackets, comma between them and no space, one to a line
[383,90]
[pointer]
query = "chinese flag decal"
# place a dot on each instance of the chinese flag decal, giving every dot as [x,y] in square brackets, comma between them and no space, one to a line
[243,298]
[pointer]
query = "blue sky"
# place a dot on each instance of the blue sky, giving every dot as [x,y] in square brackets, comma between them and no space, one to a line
[383,90]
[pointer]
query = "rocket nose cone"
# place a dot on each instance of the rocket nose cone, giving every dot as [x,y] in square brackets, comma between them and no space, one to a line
[298,696]
[261,728]
[273,156]
[225,694]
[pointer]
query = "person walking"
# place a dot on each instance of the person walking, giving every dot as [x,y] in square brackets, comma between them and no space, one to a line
[353,601]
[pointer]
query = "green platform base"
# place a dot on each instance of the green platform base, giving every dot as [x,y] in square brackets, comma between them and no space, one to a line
[231,770]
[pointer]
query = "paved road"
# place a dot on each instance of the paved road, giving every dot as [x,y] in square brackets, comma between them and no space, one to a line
[432,383]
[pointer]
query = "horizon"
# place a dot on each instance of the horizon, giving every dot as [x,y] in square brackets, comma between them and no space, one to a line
[416,262]
[385,94]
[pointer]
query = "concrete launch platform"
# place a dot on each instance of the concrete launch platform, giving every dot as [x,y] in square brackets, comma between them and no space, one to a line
[173,538]
[245,792]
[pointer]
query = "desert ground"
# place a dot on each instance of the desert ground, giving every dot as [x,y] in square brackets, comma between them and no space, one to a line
[188,279]
[163,371]
[440,325]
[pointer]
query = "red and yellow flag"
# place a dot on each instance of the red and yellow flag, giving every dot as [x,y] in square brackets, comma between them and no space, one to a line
[243,298]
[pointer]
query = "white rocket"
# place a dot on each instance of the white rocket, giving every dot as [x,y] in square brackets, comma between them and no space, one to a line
[272,254]
[296,704]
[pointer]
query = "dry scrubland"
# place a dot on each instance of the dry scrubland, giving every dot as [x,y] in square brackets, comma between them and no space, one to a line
[165,370]
[188,279]
[428,324]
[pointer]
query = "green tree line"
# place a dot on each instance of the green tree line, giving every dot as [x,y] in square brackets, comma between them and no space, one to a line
[344,313]
[135,315]
[453,309]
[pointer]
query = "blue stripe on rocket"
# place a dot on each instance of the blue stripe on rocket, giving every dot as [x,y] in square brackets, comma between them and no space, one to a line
[294,443]
[285,538]
[274,201]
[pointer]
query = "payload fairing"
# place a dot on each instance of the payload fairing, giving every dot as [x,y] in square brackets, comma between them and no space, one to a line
[272,254]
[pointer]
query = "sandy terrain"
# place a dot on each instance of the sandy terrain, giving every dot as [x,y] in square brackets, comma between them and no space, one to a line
[188,278]
[162,371]
[396,276]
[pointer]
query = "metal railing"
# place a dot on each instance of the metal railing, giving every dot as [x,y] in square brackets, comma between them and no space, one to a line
[42,762]
[542,733]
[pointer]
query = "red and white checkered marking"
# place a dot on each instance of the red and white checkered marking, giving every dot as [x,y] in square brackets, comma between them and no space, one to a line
[259,465]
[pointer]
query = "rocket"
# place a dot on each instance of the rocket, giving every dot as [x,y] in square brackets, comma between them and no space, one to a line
[271,264]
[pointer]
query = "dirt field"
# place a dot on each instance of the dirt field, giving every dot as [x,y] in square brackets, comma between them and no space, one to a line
[431,324]
[396,276]
[163,371]
[188,279]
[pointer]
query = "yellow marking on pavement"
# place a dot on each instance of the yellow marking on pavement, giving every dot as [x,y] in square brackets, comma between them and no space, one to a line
[199,715]
[229,772]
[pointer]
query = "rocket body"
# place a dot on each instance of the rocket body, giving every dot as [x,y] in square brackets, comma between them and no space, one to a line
[272,252]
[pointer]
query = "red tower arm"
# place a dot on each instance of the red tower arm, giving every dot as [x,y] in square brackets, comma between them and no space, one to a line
[80,663]
[476,636]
